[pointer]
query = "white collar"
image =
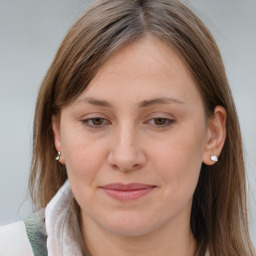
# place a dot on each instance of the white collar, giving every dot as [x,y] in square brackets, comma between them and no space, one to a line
[61,240]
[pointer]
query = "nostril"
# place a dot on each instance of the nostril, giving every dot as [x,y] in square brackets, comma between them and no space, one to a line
[126,168]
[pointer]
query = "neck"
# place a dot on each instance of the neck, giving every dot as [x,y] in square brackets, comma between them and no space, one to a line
[162,242]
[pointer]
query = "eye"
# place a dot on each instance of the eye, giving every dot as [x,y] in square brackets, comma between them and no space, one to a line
[96,122]
[161,122]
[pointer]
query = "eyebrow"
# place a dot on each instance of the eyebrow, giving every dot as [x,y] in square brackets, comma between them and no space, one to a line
[143,104]
[162,100]
[96,102]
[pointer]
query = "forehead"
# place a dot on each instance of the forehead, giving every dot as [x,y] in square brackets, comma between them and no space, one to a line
[145,68]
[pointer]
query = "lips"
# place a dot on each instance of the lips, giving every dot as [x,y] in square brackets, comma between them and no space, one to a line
[127,192]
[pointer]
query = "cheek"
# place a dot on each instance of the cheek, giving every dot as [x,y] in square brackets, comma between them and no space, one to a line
[83,163]
[83,157]
[178,160]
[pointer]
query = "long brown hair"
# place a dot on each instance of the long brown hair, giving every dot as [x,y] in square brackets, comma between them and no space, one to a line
[219,210]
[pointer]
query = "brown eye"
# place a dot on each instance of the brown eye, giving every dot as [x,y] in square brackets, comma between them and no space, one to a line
[160,121]
[97,121]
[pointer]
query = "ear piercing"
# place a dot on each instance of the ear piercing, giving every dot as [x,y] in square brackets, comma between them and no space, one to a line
[58,156]
[214,158]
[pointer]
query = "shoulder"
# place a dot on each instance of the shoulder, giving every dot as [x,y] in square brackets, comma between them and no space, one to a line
[24,238]
[36,233]
[14,240]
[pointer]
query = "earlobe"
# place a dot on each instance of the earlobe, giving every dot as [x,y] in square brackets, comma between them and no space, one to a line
[216,135]
[57,139]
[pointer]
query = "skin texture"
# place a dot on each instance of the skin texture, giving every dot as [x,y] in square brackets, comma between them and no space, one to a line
[138,139]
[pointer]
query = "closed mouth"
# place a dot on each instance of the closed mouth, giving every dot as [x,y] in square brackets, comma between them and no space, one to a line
[127,192]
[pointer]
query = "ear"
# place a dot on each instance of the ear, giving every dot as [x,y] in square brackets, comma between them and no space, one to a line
[57,137]
[216,135]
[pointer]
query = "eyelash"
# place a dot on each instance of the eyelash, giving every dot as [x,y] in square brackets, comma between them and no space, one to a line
[89,122]
[167,122]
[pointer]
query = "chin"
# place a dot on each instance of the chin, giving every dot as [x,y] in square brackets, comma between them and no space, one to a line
[128,230]
[129,226]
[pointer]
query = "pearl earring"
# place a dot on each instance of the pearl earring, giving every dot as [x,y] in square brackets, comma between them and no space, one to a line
[214,158]
[58,156]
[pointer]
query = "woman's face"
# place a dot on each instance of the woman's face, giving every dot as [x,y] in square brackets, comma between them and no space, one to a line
[134,140]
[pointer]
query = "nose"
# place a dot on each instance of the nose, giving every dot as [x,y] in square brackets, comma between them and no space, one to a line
[126,154]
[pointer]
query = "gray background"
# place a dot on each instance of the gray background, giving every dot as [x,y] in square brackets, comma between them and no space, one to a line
[30,33]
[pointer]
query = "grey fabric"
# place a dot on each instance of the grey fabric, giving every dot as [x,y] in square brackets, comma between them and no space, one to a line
[36,232]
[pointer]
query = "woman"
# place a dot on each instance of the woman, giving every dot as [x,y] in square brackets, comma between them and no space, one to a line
[137,146]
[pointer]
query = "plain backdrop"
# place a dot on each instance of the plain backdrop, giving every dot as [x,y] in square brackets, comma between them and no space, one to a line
[30,33]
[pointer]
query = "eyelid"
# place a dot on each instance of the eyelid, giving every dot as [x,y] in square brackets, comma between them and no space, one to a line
[169,119]
[94,115]
[168,122]
[93,126]
[160,115]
